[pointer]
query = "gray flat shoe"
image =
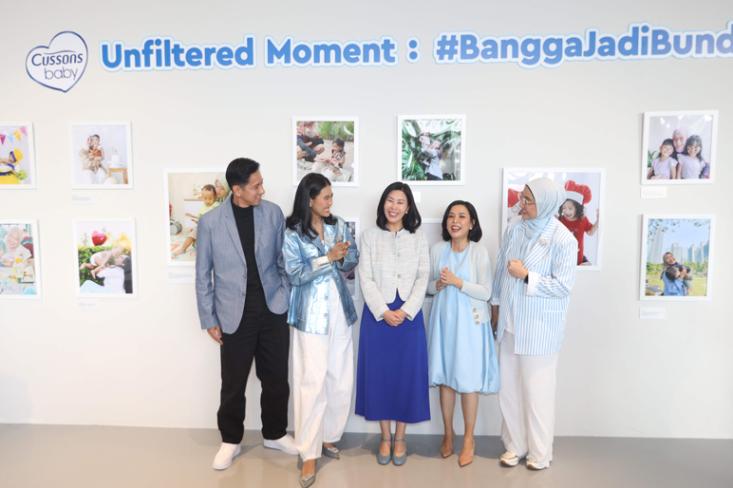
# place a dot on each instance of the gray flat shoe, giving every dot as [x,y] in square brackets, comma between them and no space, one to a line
[307,481]
[332,452]
[399,460]
[384,460]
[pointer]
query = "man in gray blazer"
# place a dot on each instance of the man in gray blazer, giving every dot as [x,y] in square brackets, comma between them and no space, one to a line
[242,294]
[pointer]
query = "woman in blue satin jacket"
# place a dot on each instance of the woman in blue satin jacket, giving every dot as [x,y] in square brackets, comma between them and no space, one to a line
[318,248]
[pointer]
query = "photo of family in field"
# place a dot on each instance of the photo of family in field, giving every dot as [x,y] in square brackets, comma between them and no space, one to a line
[19,275]
[17,163]
[190,195]
[676,257]
[105,253]
[431,148]
[101,155]
[327,146]
[679,147]
[580,213]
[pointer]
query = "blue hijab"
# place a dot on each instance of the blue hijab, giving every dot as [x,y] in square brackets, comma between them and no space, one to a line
[548,197]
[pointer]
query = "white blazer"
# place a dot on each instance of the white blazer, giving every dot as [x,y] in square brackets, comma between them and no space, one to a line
[537,309]
[392,263]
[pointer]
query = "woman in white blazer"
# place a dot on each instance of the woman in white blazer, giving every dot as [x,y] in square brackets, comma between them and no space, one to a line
[535,272]
[392,369]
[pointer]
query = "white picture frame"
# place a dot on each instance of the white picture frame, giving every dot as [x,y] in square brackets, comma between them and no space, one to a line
[685,244]
[441,147]
[325,162]
[179,206]
[18,288]
[115,141]
[514,179]
[10,143]
[119,231]
[658,126]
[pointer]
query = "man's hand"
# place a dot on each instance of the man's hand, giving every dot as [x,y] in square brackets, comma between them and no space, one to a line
[215,333]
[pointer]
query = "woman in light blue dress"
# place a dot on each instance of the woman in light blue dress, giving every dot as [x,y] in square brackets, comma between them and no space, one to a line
[462,356]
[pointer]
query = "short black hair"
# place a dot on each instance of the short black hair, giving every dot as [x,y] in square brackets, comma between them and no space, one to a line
[475,233]
[309,188]
[239,171]
[411,220]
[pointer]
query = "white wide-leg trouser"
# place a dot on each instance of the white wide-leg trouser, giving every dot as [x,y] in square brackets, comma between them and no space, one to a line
[527,402]
[323,380]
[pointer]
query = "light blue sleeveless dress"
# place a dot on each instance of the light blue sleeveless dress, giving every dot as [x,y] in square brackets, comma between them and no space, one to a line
[462,353]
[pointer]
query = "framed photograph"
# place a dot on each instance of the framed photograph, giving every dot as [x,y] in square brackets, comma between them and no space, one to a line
[676,259]
[580,213]
[17,156]
[105,254]
[326,145]
[351,282]
[679,148]
[190,194]
[20,275]
[101,155]
[431,149]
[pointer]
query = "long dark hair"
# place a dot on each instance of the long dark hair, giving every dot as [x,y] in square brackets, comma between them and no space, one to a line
[475,233]
[308,188]
[411,220]
[579,209]
[694,140]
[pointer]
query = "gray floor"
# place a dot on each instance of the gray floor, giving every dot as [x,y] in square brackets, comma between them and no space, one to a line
[109,457]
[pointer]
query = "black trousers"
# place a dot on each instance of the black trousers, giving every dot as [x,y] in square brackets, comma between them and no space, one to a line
[264,337]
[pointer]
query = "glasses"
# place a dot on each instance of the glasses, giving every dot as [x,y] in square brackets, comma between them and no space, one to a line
[525,201]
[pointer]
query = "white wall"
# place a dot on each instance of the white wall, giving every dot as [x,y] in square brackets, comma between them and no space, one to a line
[145,362]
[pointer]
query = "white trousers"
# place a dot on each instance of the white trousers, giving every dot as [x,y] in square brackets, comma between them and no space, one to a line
[527,402]
[323,380]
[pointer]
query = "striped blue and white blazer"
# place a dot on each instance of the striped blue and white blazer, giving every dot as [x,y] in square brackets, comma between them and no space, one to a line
[537,309]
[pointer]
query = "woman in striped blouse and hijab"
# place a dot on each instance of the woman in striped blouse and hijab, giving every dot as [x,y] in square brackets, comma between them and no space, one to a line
[534,275]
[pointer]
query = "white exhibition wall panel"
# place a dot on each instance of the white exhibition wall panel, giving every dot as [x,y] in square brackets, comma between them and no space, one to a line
[628,367]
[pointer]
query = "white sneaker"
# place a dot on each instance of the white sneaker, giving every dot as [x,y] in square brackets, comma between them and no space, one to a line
[285,444]
[509,459]
[225,456]
[535,466]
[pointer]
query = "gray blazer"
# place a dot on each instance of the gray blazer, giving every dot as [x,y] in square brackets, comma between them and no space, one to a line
[221,270]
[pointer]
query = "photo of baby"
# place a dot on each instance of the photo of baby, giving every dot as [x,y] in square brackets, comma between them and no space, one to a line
[17,162]
[101,156]
[19,270]
[190,194]
[676,257]
[328,146]
[679,147]
[105,253]
[431,148]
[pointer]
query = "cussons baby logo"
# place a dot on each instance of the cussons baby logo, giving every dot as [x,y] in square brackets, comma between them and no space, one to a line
[60,64]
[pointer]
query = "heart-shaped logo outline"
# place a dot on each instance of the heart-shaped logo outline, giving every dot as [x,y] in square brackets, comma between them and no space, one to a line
[41,46]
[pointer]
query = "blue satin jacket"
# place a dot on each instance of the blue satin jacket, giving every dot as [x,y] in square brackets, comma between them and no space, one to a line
[310,272]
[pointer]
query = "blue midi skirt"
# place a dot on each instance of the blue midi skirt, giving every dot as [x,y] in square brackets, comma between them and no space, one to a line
[392,369]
